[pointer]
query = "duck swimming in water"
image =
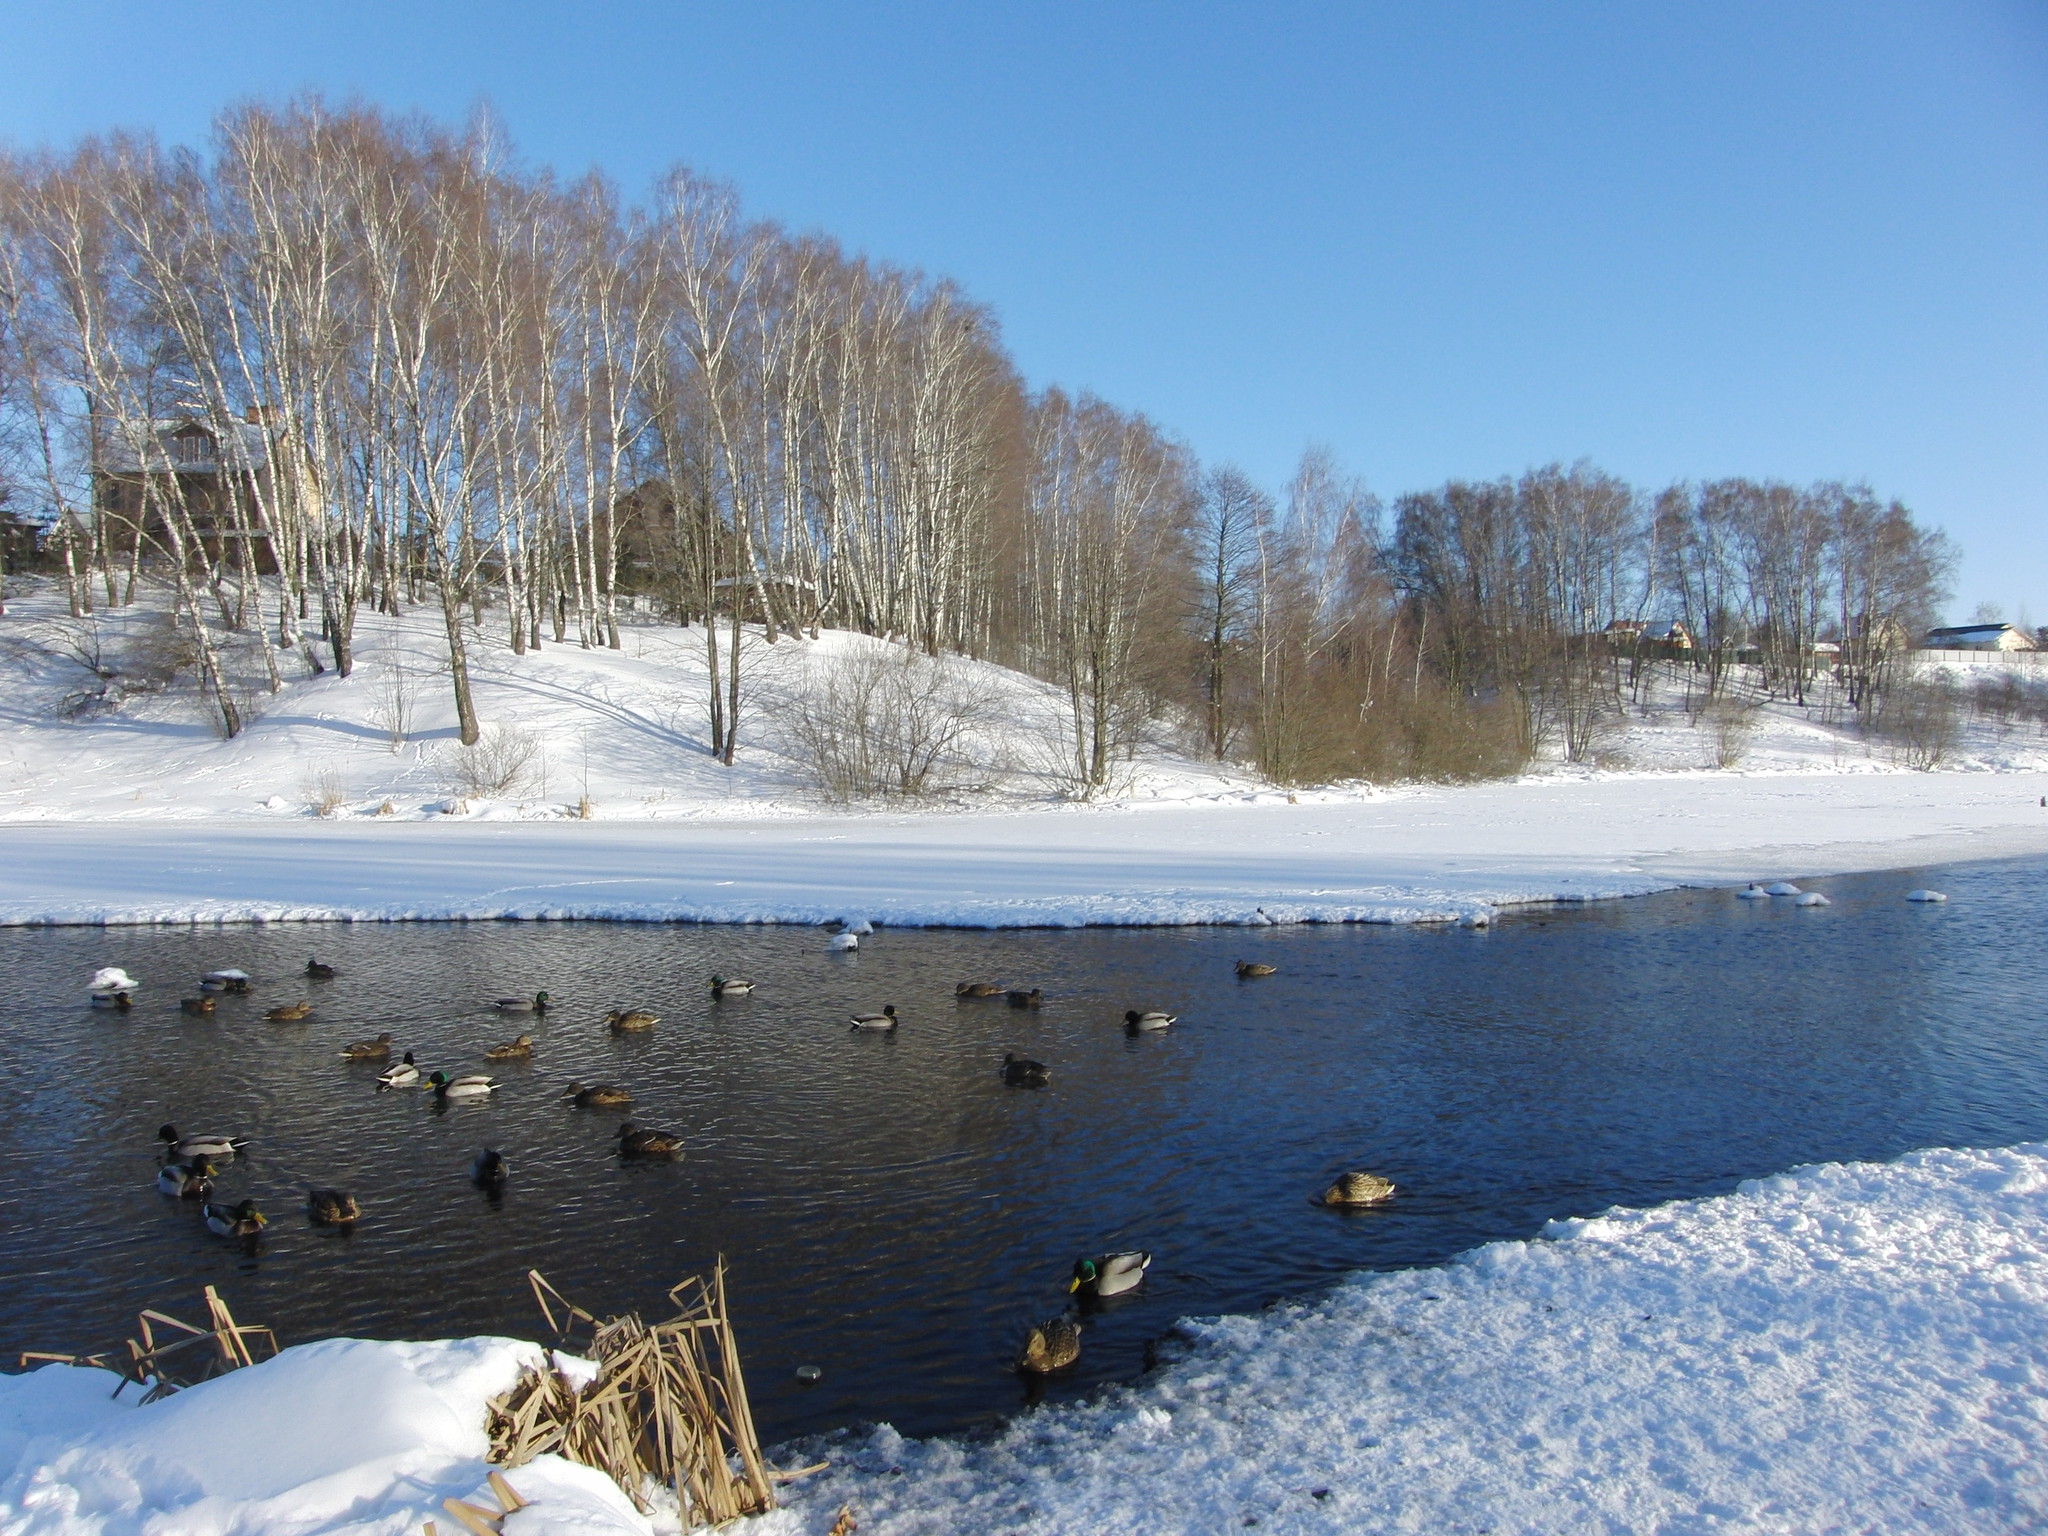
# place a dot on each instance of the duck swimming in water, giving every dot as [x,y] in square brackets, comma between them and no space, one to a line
[511,1050]
[634,1142]
[886,1019]
[242,1220]
[378,1049]
[471,1085]
[720,987]
[600,1096]
[626,1021]
[490,1172]
[185,1148]
[332,1207]
[188,1181]
[1111,1275]
[402,1073]
[1052,1346]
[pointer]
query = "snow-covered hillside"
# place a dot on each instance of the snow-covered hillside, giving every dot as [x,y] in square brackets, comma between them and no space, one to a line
[626,730]
[1845,1347]
[610,806]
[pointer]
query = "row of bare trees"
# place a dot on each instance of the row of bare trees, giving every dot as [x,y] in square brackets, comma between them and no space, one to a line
[428,374]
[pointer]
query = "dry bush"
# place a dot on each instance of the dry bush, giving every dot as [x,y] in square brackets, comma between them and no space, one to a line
[1731,722]
[885,722]
[323,791]
[392,709]
[501,762]
[1920,721]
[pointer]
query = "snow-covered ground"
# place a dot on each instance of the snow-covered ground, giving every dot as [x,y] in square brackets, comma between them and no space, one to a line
[1853,1347]
[142,813]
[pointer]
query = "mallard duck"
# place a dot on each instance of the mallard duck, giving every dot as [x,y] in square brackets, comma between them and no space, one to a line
[1358,1189]
[841,943]
[231,981]
[1135,1021]
[402,1073]
[319,971]
[720,987]
[538,1003]
[189,1181]
[1029,999]
[629,1020]
[288,1013]
[471,1085]
[1110,1275]
[886,1019]
[1052,1346]
[332,1207]
[490,1172]
[200,1004]
[378,1049]
[121,1000]
[1251,970]
[111,978]
[978,989]
[599,1096]
[638,1143]
[511,1050]
[185,1148]
[242,1220]
[1020,1073]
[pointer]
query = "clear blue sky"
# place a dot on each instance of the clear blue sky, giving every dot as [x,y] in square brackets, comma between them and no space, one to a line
[1798,240]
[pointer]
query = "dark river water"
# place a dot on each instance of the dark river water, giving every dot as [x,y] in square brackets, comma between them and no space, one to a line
[893,1212]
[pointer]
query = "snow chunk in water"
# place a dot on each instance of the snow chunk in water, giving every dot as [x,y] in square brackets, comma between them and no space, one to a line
[1924,895]
[1782,888]
[111,978]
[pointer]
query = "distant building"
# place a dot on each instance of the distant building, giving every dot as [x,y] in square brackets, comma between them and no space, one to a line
[1979,637]
[1670,634]
[187,465]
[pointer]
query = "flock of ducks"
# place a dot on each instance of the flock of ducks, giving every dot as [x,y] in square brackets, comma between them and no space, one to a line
[192,1163]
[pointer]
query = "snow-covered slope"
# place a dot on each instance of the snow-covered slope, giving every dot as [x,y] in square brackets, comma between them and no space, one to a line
[143,814]
[1842,1348]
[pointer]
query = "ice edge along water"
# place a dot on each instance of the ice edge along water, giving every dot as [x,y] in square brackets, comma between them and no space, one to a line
[1846,1346]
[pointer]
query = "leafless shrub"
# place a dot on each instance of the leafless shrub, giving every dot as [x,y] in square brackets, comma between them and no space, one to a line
[1731,723]
[500,763]
[884,722]
[1920,721]
[1999,698]
[392,709]
[323,791]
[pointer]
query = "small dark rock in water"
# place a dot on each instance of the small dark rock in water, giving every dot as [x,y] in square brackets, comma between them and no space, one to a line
[807,1374]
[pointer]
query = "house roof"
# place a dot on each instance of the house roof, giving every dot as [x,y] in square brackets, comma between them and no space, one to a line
[118,454]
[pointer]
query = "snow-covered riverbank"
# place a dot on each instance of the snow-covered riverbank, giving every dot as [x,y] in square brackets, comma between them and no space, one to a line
[1436,854]
[1845,1347]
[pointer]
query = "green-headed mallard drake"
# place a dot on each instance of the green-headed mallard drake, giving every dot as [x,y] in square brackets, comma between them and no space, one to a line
[1152,1018]
[471,1085]
[490,1172]
[402,1073]
[1020,1073]
[199,1004]
[886,1019]
[185,1148]
[188,1181]
[1251,970]
[511,1050]
[378,1049]
[1111,1275]
[1021,999]
[599,1096]
[332,1207]
[634,1142]
[721,987]
[979,989]
[288,1013]
[1052,1346]
[538,1003]
[625,1021]
[317,970]
[1358,1189]
[242,1220]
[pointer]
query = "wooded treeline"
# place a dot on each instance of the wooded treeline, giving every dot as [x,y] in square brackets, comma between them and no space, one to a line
[429,374]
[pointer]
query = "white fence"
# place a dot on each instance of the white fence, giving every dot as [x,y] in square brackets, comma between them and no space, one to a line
[1995,660]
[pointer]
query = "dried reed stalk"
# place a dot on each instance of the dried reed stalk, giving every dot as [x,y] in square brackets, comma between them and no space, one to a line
[146,1355]
[669,1404]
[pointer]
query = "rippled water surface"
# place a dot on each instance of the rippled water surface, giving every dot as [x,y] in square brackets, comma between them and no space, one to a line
[891,1210]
